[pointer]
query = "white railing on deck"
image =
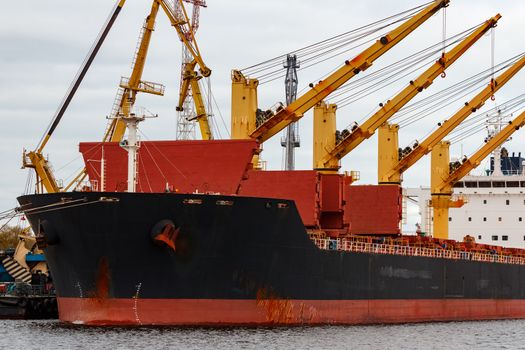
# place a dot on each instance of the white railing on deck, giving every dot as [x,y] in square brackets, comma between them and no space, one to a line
[377,248]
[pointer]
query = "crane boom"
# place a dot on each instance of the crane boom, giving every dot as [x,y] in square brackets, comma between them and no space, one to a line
[190,80]
[81,74]
[472,162]
[201,115]
[444,176]
[361,62]
[423,148]
[179,19]
[130,87]
[416,86]
[35,159]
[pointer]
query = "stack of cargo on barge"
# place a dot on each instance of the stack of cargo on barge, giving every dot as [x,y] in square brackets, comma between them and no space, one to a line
[26,290]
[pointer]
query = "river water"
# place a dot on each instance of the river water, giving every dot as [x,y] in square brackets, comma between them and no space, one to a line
[455,335]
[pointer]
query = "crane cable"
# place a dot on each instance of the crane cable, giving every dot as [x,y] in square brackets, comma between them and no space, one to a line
[512,104]
[394,72]
[431,104]
[326,46]
[277,60]
[437,101]
[478,123]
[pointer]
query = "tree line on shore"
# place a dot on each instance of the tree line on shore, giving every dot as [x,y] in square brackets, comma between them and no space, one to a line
[9,236]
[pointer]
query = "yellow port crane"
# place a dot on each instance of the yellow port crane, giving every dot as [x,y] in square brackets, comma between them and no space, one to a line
[391,166]
[129,87]
[445,174]
[126,96]
[244,90]
[327,154]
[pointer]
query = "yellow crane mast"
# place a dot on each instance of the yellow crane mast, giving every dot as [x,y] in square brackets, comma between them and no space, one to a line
[327,157]
[191,80]
[444,174]
[391,166]
[126,96]
[244,93]
[179,19]
[129,87]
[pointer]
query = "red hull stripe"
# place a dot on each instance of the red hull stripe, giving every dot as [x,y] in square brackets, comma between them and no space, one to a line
[281,312]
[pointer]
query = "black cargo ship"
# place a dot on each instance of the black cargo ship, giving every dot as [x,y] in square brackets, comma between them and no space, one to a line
[190,259]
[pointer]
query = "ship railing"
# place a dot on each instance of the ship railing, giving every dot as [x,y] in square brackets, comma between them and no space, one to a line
[392,249]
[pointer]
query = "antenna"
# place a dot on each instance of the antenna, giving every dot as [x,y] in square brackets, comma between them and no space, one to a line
[290,139]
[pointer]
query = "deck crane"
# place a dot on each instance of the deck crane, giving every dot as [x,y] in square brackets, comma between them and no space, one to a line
[391,166]
[35,159]
[445,174]
[129,88]
[244,90]
[328,155]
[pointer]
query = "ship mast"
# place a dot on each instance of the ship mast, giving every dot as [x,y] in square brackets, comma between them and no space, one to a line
[131,145]
[494,128]
[291,138]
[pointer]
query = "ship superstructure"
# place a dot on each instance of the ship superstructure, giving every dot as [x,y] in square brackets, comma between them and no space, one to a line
[493,209]
[493,202]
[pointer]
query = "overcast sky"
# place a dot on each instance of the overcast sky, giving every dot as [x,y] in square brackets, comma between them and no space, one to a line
[42,44]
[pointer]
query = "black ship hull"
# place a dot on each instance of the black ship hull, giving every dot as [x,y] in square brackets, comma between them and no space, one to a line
[137,258]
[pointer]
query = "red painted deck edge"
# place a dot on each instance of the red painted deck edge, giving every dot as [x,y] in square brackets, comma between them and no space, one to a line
[281,312]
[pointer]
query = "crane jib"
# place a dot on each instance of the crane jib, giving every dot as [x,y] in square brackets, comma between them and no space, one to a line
[82,72]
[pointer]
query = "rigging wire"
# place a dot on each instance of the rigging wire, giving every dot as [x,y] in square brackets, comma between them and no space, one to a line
[221,116]
[492,48]
[216,132]
[429,105]
[314,54]
[384,82]
[278,73]
[510,105]
[8,221]
[168,160]
[476,129]
[29,182]
[442,103]
[396,71]
[272,62]
[444,29]
[141,159]
[413,61]
[478,123]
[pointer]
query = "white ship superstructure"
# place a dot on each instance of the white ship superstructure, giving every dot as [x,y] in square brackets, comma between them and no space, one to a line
[494,209]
